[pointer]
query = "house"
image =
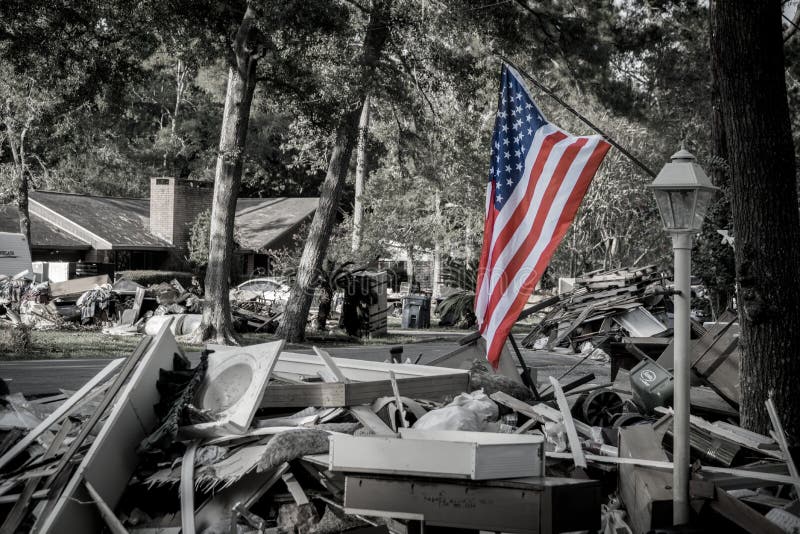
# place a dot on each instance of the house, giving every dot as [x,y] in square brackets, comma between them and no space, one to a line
[141,233]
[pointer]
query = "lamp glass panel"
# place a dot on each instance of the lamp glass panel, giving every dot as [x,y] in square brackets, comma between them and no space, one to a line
[704,197]
[682,203]
[664,207]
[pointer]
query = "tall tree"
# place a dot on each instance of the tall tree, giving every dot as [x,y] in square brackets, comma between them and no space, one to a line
[58,60]
[296,312]
[748,53]
[246,52]
[361,172]
[264,29]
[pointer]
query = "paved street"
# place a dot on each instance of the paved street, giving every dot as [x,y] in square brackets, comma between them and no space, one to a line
[48,376]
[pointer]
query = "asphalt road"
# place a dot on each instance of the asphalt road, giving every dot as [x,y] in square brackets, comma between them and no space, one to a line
[38,377]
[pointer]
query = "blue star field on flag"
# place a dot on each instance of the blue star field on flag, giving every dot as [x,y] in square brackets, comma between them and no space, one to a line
[517,121]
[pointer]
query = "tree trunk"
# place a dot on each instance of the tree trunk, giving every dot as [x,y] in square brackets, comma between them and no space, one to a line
[436,290]
[293,326]
[361,172]
[18,156]
[410,268]
[22,204]
[216,325]
[748,51]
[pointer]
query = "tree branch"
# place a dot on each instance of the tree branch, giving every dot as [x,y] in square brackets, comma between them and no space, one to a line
[793,25]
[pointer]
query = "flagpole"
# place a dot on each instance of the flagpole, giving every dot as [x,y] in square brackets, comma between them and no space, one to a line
[586,121]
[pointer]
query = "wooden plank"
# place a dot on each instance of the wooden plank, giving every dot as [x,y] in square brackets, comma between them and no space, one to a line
[77,286]
[526,426]
[112,458]
[716,357]
[336,395]
[744,438]
[398,402]
[571,327]
[294,487]
[55,482]
[137,303]
[187,489]
[539,412]
[308,365]
[515,404]
[331,365]
[370,420]
[647,493]
[742,515]
[662,342]
[60,412]
[113,523]
[780,437]
[17,513]
[572,434]
[775,478]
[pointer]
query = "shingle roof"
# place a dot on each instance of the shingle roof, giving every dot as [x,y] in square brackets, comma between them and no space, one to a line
[262,222]
[123,222]
[43,234]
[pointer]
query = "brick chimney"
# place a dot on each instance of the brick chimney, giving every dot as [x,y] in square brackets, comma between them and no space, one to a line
[174,205]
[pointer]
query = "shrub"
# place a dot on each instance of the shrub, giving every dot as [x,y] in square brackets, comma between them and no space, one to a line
[15,339]
[147,278]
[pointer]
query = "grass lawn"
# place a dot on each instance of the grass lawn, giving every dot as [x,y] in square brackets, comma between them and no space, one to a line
[57,344]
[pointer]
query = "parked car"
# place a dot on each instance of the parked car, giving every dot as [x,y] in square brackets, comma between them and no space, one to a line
[272,291]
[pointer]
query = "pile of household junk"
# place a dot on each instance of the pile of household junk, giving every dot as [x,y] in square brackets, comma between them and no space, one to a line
[259,439]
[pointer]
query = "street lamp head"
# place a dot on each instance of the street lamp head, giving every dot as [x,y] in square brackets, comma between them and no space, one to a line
[683,193]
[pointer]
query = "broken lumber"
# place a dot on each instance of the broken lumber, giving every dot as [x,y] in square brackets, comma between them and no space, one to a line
[60,412]
[338,394]
[77,285]
[647,493]
[780,437]
[572,434]
[112,457]
[187,489]
[112,521]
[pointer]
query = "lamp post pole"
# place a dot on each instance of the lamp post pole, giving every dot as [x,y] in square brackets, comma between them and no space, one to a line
[683,192]
[682,248]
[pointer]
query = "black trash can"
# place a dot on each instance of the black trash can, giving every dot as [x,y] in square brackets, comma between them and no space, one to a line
[416,311]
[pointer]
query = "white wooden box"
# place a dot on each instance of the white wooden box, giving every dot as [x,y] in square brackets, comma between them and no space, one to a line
[442,453]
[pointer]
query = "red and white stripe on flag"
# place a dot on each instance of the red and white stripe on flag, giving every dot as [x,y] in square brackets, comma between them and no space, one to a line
[538,177]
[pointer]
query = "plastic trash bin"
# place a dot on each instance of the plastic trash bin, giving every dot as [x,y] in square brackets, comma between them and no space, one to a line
[416,311]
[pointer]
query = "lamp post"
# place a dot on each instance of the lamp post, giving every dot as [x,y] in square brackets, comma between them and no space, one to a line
[683,193]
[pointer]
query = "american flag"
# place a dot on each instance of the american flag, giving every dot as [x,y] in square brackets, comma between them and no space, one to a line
[537,179]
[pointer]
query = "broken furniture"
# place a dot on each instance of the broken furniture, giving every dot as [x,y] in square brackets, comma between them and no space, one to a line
[112,458]
[520,505]
[443,453]
[233,387]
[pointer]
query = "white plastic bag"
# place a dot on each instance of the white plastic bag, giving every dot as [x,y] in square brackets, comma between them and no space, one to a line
[468,411]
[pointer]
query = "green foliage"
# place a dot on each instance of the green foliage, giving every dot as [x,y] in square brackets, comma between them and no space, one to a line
[459,304]
[147,278]
[122,91]
[199,238]
[457,308]
[15,339]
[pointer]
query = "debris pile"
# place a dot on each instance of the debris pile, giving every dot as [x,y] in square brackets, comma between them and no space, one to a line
[602,306]
[261,439]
